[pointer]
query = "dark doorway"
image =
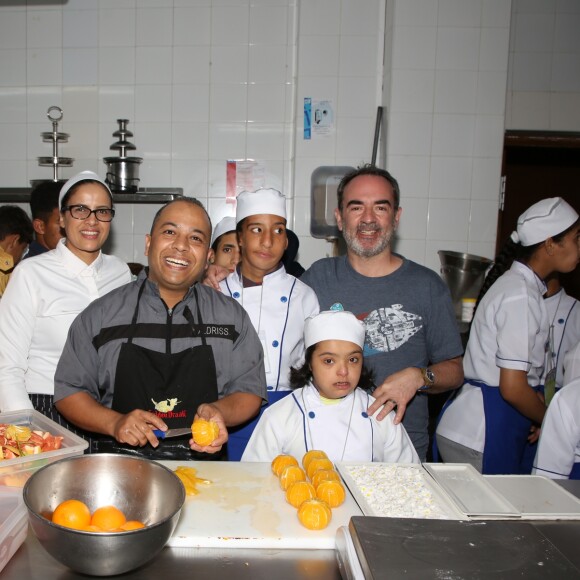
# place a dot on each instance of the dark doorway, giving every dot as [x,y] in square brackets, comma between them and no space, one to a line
[537,165]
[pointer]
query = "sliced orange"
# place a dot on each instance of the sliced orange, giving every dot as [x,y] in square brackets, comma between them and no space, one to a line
[310,455]
[317,464]
[290,475]
[324,475]
[281,461]
[204,432]
[299,492]
[332,492]
[314,514]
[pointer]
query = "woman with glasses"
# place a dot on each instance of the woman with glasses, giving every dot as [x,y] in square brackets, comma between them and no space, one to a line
[46,292]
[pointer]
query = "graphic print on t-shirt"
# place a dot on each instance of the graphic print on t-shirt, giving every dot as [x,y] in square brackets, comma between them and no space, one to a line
[389,328]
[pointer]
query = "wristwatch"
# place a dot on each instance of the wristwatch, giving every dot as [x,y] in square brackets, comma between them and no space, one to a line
[428,378]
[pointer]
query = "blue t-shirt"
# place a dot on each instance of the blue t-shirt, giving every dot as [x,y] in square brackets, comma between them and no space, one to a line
[409,319]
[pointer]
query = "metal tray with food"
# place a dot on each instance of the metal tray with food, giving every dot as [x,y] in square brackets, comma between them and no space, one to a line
[396,490]
[470,491]
[536,497]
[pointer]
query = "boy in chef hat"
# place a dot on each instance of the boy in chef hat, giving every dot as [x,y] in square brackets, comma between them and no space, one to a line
[278,303]
[225,251]
[327,409]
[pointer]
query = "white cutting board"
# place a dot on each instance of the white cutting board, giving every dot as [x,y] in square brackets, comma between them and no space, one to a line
[245,507]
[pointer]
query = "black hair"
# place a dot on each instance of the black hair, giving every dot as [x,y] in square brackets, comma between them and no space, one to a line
[300,377]
[510,252]
[44,199]
[14,220]
[216,242]
[71,191]
[368,169]
[190,200]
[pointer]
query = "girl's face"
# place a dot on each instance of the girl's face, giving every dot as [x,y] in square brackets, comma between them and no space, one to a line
[227,253]
[336,367]
[567,251]
[85,238]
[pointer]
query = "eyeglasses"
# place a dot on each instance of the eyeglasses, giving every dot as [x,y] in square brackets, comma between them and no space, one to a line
[82,212]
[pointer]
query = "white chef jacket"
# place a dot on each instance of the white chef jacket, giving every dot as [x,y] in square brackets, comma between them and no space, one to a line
[277,309]
[302,421]
[559,444]
[510,330]
[44,295]
[564,316]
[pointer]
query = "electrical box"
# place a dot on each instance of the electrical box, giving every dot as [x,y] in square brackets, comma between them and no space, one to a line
[323,185]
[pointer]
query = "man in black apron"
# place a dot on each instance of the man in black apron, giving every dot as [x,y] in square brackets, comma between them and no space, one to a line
[162,350]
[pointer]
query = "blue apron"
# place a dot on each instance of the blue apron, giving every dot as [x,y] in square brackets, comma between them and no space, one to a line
[575,473]
[238,437]
[506,432]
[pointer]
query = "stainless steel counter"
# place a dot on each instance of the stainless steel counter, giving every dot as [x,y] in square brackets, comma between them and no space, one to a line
[32,562]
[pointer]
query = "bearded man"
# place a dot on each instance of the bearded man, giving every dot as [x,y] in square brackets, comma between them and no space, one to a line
[412,342]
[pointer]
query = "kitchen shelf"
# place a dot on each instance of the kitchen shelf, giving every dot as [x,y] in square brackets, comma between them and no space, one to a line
[143,195]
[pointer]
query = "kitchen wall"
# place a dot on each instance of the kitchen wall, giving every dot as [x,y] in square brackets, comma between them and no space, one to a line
[203,81]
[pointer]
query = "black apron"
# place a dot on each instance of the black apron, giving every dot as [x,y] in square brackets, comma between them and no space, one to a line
[172,386]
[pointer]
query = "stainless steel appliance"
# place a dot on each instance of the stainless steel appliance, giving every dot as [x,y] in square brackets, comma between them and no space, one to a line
[123,171]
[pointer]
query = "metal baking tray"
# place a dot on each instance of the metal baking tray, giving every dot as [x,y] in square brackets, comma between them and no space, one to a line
[443,507]
[536,496]
[470,491]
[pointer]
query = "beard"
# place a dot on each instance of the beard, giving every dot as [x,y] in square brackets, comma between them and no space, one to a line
[365,251]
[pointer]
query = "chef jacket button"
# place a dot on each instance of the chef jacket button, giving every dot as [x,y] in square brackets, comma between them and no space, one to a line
[284,299]
[561,321]
[311,414]
[236,294]
[275,344]
[365,414]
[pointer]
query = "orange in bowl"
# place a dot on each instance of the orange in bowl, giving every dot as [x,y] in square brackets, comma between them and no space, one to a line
[72,513]
[204,432]
[299,492]
[281,461]
[108,518]
[314,514]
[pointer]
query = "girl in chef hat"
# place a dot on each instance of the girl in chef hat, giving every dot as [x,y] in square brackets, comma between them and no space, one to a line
[497,411]
[327,409]
[225,251]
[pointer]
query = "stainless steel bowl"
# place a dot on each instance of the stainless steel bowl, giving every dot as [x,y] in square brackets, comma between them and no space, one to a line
[144,490]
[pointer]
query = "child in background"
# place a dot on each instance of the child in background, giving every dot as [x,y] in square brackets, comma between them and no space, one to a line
[327,409]
[225,251]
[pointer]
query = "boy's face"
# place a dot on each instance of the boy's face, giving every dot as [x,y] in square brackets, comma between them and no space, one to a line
[336,367]
[263,240]
[49,232]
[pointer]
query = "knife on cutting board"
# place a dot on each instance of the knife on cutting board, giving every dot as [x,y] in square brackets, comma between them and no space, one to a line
[172,432]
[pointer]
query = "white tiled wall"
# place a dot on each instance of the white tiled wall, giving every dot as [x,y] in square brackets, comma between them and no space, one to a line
[544,81]
[203,81]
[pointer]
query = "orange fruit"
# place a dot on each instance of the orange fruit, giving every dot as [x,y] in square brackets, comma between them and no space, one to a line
[281,461]
[108,518]
[324,475]
[299,492]
[310,455]
[94,529]
[132,525]
[204,432]
[72,513]
[314,514]
[290,475]
[332,492]
[317,464]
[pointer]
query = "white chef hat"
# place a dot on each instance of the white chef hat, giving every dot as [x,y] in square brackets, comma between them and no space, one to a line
[261,201]
[82,176]
[225,225]
[334,325]
[543,220]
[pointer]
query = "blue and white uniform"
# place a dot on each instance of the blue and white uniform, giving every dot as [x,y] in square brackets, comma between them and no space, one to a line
[342,429]
[510,330]
[558,453]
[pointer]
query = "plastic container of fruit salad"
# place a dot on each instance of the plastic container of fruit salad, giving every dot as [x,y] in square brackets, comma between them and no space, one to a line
[15,472]
[13,523]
